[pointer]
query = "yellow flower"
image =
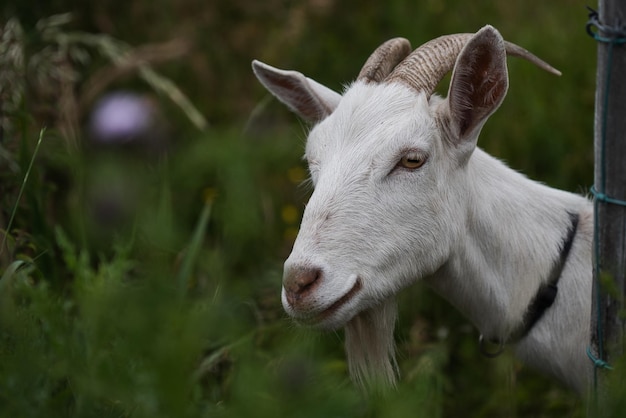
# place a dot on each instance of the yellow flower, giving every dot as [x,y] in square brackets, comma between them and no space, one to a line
[296,174]
[290,214]
[209,194]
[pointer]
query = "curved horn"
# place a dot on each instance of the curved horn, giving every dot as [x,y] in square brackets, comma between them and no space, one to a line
[384,59]
[428,64]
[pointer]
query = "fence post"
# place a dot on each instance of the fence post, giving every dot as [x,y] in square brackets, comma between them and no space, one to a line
[607,322]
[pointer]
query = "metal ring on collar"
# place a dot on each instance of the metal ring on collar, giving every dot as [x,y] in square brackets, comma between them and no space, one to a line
[482,344]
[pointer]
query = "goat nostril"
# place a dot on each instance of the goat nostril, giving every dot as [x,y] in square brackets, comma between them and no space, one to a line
[307,278]
[299,281]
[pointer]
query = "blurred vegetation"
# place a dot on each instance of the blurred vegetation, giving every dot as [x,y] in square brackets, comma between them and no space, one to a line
[140,277]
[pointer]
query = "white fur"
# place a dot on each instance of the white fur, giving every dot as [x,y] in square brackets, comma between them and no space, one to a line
[481,234]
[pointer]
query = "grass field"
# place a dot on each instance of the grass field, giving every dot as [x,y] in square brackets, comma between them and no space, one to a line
[141,276]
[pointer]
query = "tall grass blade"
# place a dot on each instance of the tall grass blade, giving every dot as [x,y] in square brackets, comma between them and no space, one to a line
[22,188]
[191,254]
[9,274]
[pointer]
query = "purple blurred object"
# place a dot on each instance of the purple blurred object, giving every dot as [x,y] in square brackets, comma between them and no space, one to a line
[121,117]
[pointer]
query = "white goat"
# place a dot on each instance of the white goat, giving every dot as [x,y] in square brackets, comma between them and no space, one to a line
[402,193]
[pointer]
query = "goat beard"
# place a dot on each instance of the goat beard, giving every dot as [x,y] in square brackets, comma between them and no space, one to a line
[370,346]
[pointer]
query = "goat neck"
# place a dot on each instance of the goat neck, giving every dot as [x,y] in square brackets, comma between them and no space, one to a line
[510,238]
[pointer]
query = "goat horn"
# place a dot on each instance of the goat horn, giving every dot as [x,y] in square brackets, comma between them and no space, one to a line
[383,60]
[425,67]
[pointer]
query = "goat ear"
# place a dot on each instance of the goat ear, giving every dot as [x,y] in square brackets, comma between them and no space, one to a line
[307,98]
[479,83]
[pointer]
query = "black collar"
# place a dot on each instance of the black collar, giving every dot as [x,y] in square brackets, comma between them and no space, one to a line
[544,297]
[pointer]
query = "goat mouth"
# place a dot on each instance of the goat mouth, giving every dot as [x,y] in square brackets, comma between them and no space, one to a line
[326,313]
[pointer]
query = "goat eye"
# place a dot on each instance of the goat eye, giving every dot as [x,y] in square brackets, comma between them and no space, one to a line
[412,161]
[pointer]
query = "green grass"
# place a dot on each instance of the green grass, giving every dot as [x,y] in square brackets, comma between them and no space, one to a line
[176,311]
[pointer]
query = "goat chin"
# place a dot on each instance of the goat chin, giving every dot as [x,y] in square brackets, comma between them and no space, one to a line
[370,346]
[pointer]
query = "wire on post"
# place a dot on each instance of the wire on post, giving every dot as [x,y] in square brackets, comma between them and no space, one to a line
[611,36]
